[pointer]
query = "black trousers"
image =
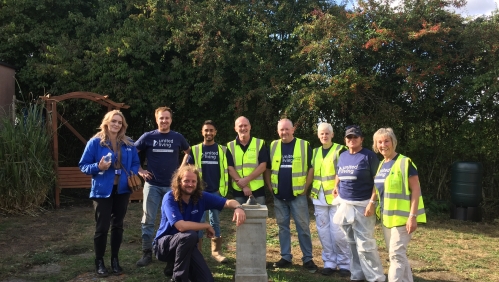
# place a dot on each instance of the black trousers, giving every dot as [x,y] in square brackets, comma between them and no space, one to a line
[109,212]
[181,250]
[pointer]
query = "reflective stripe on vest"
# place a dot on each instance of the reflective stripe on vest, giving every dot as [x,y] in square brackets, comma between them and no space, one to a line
[224,172]
[246,162]
[397,196]
[325,172]
[298,169]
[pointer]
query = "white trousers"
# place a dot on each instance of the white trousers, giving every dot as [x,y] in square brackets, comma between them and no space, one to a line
[365,263]
[397,239]
[335,248]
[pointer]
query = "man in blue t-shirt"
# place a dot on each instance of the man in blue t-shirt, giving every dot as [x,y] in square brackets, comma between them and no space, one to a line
[162,148]
[181,213]
[289,175]
[211,159]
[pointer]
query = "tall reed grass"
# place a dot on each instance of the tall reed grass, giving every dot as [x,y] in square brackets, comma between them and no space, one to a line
[26,165]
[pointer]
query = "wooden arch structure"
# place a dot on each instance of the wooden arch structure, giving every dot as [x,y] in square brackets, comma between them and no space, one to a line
[71,177]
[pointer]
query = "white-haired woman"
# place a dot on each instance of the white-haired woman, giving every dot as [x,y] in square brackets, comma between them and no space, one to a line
[335,249]
[401,204]
[109,191]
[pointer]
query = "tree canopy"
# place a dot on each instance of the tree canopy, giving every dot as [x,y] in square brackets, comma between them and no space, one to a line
[428,73]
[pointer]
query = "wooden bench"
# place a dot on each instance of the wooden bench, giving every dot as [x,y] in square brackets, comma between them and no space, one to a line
[72,177]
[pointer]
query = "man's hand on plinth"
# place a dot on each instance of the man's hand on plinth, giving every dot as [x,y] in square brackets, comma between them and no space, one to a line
[239,216]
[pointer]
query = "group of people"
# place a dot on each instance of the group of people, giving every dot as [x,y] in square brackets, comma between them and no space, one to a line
[348,186]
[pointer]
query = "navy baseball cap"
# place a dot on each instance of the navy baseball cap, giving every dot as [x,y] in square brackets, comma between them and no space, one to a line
[353,130]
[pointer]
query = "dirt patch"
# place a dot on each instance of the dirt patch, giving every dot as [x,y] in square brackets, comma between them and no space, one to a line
[46,269]
[47,227]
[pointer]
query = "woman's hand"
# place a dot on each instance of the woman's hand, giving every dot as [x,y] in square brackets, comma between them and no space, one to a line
[411,224]
[103,165]
[370,209]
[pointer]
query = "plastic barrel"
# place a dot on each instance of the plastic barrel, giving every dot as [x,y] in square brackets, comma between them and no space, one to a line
[466,184]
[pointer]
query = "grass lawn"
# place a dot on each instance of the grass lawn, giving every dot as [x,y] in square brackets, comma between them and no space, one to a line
[57,245]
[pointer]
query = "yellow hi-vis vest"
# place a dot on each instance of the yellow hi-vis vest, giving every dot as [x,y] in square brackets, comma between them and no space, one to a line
[325,172]
[397,195]
[222,161]
[299,166]
[246,162]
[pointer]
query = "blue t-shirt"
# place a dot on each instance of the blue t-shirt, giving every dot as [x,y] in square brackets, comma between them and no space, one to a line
[356,173]
[210,166]
[170,211]
[386,167]
[162,153]
[284,184]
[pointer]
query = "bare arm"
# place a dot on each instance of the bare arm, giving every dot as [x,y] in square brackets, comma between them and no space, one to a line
[336,186]
[239,214]
[186,156]
[243,182]
[308,182]
[371,207]
[412,223]
[184,226]
[268,183]
[233,173]
[144,173]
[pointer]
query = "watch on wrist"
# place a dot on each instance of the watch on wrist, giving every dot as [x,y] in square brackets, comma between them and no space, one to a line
[239,207]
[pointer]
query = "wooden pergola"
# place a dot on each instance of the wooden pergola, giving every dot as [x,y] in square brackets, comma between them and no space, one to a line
[71,177]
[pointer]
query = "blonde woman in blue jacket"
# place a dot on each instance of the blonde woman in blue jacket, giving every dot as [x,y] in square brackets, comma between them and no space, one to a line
[401,204]
[109,191]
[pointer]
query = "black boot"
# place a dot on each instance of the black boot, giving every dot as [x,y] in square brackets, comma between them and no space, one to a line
[115,266]
[100,268]
[146,258]
[168,269]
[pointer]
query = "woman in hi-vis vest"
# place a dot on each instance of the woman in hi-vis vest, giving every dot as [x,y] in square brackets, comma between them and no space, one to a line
[401,204]
[335,248]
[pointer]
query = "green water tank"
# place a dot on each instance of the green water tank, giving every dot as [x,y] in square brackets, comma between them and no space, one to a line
[466,184]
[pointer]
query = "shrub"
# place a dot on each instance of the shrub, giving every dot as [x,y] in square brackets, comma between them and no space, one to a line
[27,171]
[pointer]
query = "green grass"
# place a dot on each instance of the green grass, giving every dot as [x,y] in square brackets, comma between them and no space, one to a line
[32,247]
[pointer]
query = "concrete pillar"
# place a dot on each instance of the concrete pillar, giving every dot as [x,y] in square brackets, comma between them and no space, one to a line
[251,245]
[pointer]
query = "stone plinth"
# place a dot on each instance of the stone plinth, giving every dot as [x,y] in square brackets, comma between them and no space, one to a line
[251,246]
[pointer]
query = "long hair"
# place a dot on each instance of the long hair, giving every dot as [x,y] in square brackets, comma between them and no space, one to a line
[177,183]
[103,134]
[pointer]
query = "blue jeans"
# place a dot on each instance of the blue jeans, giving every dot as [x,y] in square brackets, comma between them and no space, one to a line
[214,222]
[153,196]
[298,208]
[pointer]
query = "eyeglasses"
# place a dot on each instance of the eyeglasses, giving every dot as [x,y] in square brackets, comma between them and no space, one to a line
[352,137]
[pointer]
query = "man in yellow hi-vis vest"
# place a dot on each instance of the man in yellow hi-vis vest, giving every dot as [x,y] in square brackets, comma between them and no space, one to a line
[288,177]
[247,164]
[211,160]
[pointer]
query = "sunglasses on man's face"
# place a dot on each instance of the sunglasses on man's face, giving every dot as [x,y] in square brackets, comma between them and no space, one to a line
[352,137]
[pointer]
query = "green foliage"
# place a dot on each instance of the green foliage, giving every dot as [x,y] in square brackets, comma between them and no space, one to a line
[416,68]
[426,72]
[27,172]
